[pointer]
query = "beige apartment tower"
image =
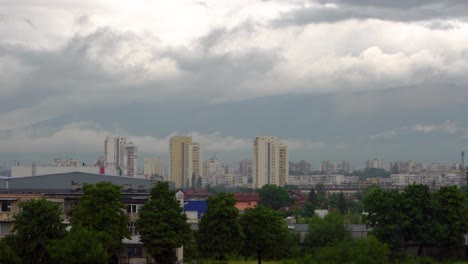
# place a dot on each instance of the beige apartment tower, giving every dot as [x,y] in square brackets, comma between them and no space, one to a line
[283,164]
[270,162]
[153,166]
[186,160]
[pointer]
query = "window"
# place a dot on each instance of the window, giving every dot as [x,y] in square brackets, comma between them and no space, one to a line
[132,228]
[6,207]
[133,208]
[4,228]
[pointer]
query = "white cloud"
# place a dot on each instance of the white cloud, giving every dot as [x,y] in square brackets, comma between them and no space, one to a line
[385,134]
[71,56]
[447,127]
[88,137]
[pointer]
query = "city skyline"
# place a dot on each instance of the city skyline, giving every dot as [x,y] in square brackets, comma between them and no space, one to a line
[336,80]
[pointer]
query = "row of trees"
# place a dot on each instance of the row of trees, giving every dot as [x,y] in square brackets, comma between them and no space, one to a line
[98,225]
[420,217]
[260,231]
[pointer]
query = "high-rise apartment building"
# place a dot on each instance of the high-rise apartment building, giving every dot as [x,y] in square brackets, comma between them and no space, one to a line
[270,163]
[283,164]
[153,166]
[245,168]
[186,160]
[375,164]
[122,154]
[214,172]
[331,166]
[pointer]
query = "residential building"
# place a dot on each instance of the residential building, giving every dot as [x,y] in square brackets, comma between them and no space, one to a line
[65,190]
[153,166]
[375,164]
[331,166]
[185,159]
[283,164]
[245,168]
[122,154]
[246,200]
[301,167]
[402,166]
[214,172]
[267,162]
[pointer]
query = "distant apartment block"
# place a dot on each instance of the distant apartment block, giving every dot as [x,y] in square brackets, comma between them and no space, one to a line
[375,164]
[270,162]
[414,167]
[185,159]
[245,168]
[312,180]
[214,172]
[331,166]
[302,166]
[153,166]
[122,154]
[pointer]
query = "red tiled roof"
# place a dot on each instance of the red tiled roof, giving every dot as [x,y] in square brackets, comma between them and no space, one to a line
[247,197]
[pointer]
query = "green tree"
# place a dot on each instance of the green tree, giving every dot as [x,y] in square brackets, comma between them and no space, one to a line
[7,254]
[368,250]
[308,209]
[162,224]
[419,209]
[199,182]
[101,211]
[321,196]
[194,181]
[36,225]
[156,176]
[453,218]
[265,232]
[341,204]
[274,196]
[325,231]
[220,232]
[385,216]
[78,246]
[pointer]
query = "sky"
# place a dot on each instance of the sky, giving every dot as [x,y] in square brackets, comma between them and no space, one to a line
[335,79]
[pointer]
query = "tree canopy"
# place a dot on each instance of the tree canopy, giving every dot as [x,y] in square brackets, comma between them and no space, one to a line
[101,211]
[419,216]
[325,231]
[162,224]
[265,232]
[452,217]
[274,196]
[36,225]
[220,232]
[78,246]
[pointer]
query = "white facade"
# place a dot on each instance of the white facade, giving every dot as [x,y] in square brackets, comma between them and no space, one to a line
[153,166]
[122,154]
[267,162]
[214,172]
[316,179]
[331,166]
[23,171]
[375,164]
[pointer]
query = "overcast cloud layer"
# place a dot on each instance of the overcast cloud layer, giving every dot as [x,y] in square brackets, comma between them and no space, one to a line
[387,78]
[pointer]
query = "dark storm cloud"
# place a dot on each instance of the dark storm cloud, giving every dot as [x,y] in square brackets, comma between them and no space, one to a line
[399,11]
[106,68]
